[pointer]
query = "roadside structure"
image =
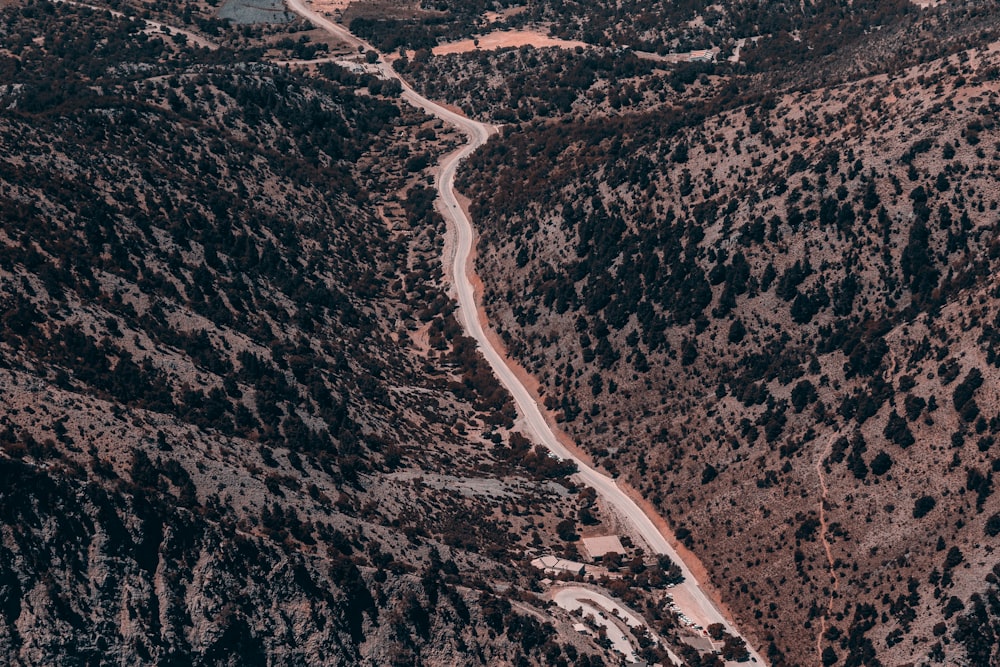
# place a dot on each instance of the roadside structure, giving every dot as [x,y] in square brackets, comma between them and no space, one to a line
[556,565]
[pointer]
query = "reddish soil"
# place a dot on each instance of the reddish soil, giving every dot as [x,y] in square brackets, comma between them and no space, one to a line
[504,39]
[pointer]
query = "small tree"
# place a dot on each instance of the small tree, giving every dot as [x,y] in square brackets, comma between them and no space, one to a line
[881,463]
[992,527]
[566,529]
[923,505]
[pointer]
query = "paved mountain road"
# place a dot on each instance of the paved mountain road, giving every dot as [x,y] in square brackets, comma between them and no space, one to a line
[689,596]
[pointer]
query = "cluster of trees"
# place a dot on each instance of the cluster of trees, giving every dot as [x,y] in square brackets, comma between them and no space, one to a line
[538,461]
[534,637]
[661,253]
[454,21]
[146,536]
[521,84]
[184,223]
[479,385]
[197,249]
[302,48]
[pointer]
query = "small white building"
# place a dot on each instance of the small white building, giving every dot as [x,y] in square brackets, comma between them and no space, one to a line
[556,565]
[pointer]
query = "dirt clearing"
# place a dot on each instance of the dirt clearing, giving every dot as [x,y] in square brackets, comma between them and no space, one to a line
[503,39]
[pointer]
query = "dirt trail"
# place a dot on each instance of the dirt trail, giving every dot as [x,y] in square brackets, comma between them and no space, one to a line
[153,27]
[826,545]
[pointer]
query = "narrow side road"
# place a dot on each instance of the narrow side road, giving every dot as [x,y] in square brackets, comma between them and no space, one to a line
[153,27]
[835,584]
[689,596]
[601,608]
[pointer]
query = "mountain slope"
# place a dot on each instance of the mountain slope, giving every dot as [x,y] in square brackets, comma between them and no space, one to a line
[775,315]
[241,425]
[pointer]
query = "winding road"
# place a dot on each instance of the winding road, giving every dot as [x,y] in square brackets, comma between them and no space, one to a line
[610,614]
[692,599]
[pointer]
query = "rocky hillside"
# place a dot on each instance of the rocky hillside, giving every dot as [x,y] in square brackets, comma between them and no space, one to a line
[775,313]
[240,424]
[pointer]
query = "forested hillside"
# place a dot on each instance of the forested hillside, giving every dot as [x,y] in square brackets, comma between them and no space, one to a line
[240,423]
[775,314]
